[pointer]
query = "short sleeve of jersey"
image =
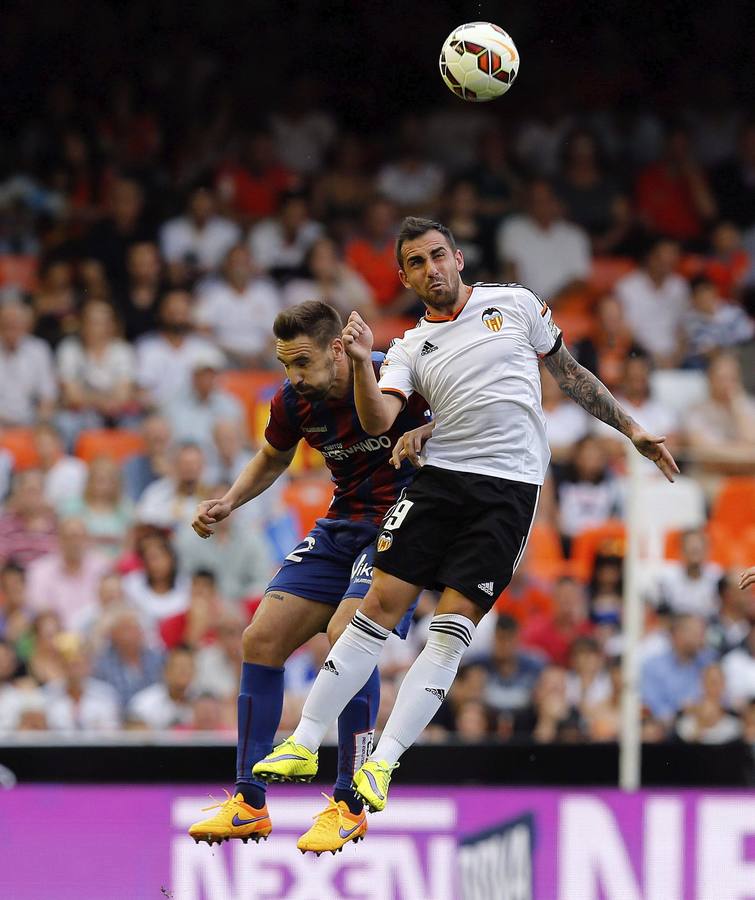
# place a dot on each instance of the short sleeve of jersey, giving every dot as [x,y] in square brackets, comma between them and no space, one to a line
[544,334]
[281,431]
[396,373]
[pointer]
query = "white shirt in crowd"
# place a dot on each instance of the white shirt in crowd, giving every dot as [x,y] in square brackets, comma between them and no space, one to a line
[302,141]
[739,670]
[478,371]
[65,480]
[164,370]
[270,250]
[155,707]
[654,313]
[586,504]
[240,322]
[215,673]
[410,186]
[162,507]
[546,259]
[181,240]
[696,596]
[101,374]
[566,424]
[151,606]
[27,375]
[96,710]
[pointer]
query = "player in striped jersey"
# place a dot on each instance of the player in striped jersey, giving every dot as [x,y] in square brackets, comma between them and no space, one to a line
[323,579]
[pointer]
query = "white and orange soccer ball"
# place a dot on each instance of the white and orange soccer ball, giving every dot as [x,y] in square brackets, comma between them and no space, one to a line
[479,61]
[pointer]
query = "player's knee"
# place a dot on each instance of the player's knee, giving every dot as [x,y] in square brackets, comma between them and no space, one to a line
[263,646]
[335,629]
[382,607]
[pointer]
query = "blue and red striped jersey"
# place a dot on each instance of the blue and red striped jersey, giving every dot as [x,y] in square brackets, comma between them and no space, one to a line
[366,484]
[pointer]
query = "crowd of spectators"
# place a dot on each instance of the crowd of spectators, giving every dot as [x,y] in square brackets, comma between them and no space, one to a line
[136,269]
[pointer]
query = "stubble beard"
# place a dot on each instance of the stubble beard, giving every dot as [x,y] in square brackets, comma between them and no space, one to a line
[443,303]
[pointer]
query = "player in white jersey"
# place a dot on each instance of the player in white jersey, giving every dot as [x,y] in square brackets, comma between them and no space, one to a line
[462,525]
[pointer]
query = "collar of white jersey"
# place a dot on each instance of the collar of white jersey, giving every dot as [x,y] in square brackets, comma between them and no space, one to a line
[453,316]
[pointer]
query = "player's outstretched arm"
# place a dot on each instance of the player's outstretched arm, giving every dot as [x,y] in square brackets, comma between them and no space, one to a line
[257,476]
[591,394]
[377,411]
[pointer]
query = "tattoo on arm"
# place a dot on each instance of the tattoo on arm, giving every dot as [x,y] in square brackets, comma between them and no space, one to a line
[587,390]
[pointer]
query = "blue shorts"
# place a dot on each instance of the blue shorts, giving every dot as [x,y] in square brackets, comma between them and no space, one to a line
[333,563]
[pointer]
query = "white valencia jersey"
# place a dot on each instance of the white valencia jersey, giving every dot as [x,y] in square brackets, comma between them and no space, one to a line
[478,370]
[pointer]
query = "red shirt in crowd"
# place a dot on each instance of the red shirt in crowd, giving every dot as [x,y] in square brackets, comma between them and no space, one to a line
[378,267]
[544,633]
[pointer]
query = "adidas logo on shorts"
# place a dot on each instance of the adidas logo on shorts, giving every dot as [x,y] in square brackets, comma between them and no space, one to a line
[427,347]
[330,666]
[486,586]
[437,692]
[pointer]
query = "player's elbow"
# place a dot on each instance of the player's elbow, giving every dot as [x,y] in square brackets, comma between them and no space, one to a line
[376,427]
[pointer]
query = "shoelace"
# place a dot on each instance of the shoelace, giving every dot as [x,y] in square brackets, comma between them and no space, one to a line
[331,808]
[386,768]
[219,804]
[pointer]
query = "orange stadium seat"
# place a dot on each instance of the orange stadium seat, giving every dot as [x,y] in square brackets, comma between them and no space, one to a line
[308,498]
[19,442]
[606,271]
[719,545]
[117,443]
[386,329]
[734,506]
[19,271]
[545,558]
[610,537]
[253,389]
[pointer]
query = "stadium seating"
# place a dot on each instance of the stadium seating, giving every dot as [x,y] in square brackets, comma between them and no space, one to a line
[19,442]
[608,538]
[734,506]
[606,271]
[117,443]
[308,498]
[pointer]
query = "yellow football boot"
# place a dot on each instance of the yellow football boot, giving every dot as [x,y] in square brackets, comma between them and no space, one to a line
[371,783]
[288,761]
[234,819]
[335,826]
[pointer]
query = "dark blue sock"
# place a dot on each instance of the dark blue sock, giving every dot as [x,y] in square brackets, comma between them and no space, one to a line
[356,729]
[260,708]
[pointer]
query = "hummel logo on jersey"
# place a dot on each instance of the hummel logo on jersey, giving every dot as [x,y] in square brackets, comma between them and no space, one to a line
[437,692]
[427,347]
[486,586]
[330,666]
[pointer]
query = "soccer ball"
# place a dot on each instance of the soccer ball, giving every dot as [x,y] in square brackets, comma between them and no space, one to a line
[479,61]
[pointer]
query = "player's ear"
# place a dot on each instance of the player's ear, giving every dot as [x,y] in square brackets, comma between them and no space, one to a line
[459,256]
[403,278]
[337,347]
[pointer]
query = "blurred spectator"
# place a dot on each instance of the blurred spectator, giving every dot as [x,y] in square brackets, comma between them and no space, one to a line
[635,397]
[728,263]
[588,492]
[712,323]
[27,376]
[495,178]
[542,251]
[227,456]
[411,181]
[167,703]
[655,302]
[587,682]
[513,671]
[721,431]
[14,612]
[27,527]
[280,244]
[606,591]
[327,277]
[606,350]
[473,722]
[526,597]
[39,648]
[136,299]
[97,374]
[165,359]
[66,581]
[140,470]
[127,664]
[156,592]
[64,476]
[550,717]
[603,719]
[105,512]
[591,198]
[55,301]
[193,413]
[10,695]
[690,586]
[554,634]
[473,237]
[708,722]
[302,130]
[566,423]
[170,501]
[79,702]
[238,556]
[739,669]
[540,137]
[196,626]
[344,188]
[672,681]
[673,196]
[734,182]
[93,622]
[238,310]
[219,664]
[251,187]
[735,610]
[372,253]
[126,224]
[198,241]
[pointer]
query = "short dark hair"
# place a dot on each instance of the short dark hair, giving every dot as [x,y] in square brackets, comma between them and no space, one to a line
[413,227]
[506,623]
[313,318]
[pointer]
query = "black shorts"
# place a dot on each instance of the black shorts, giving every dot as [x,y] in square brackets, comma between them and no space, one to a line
[459,530]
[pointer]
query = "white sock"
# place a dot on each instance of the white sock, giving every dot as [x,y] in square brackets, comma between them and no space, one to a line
[346,670]
[425,685]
